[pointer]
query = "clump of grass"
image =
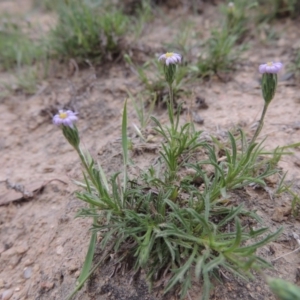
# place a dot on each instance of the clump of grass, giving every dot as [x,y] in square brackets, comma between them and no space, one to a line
[271,9]
[294,67]
[17,49]
[220,54]
[85,31]
[237,16]
[47,5]
[143,14]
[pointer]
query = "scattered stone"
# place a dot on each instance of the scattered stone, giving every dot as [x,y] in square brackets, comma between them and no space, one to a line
[72,268]
[63,219]
[201,103]
[272,180]
[7,294]
[77,273]
[272,249]
[6,255]
[197,118]
[22,248]
[59,250]
[7,285]
[28,262]
[36,268]
[151,138]
[14,261]
[280,213]
[47,285]
[27,272]
[1,283]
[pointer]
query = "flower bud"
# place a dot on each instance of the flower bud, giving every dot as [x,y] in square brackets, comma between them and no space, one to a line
[269,79]
[269,84]
[170,60]
[71,134]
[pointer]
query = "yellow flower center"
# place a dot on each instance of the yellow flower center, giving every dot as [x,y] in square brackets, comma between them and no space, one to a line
[63,115]
[169,54]
[270,64]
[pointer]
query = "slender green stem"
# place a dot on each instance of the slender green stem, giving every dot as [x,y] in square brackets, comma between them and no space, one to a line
[83,160]
[171,105]
[261,123]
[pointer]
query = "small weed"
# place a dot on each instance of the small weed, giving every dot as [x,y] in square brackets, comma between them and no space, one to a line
[143,14]
[173,227]
[237,16]
[88,32]
[283,289]
[294,67]
[17,49]
[151,75]
[182,38]
[220,54]
[25,80]
[142,113]
[271,9]
[47,5]
[176,231]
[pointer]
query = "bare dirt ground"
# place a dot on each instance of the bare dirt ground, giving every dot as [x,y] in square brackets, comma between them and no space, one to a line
[43,245]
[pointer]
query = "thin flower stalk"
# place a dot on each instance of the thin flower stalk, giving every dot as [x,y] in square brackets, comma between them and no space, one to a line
[269,84]
[170,60]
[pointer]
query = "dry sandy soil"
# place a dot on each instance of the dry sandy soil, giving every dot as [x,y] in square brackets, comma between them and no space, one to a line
[43,245]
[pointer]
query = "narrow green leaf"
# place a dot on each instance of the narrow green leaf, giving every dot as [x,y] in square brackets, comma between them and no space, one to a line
[88,261]
[124,135]
[234,150]
[238,237]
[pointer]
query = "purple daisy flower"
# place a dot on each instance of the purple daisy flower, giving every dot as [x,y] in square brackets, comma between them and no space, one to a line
[270,67]
[170,58]
[66,118]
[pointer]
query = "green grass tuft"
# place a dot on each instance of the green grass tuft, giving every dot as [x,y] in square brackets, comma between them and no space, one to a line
[85,31]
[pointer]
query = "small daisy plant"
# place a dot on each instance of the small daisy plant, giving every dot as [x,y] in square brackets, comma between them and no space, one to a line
[169,225]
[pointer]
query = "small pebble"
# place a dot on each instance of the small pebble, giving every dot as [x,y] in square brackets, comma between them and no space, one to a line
[28,262]
[1,283]
[7,294]
[22,249]
[59,250]
[27,272]
[72,268]
[197,118]
[47,285]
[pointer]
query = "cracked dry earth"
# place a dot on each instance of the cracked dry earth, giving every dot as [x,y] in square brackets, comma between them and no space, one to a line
[43,245]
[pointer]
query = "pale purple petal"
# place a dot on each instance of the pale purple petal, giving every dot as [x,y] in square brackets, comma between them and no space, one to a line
[68,122]
[177,57]
[278,65]
[271,68]
[56,120]
[66,118]
[262,68]
[170,58]
[162,57]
